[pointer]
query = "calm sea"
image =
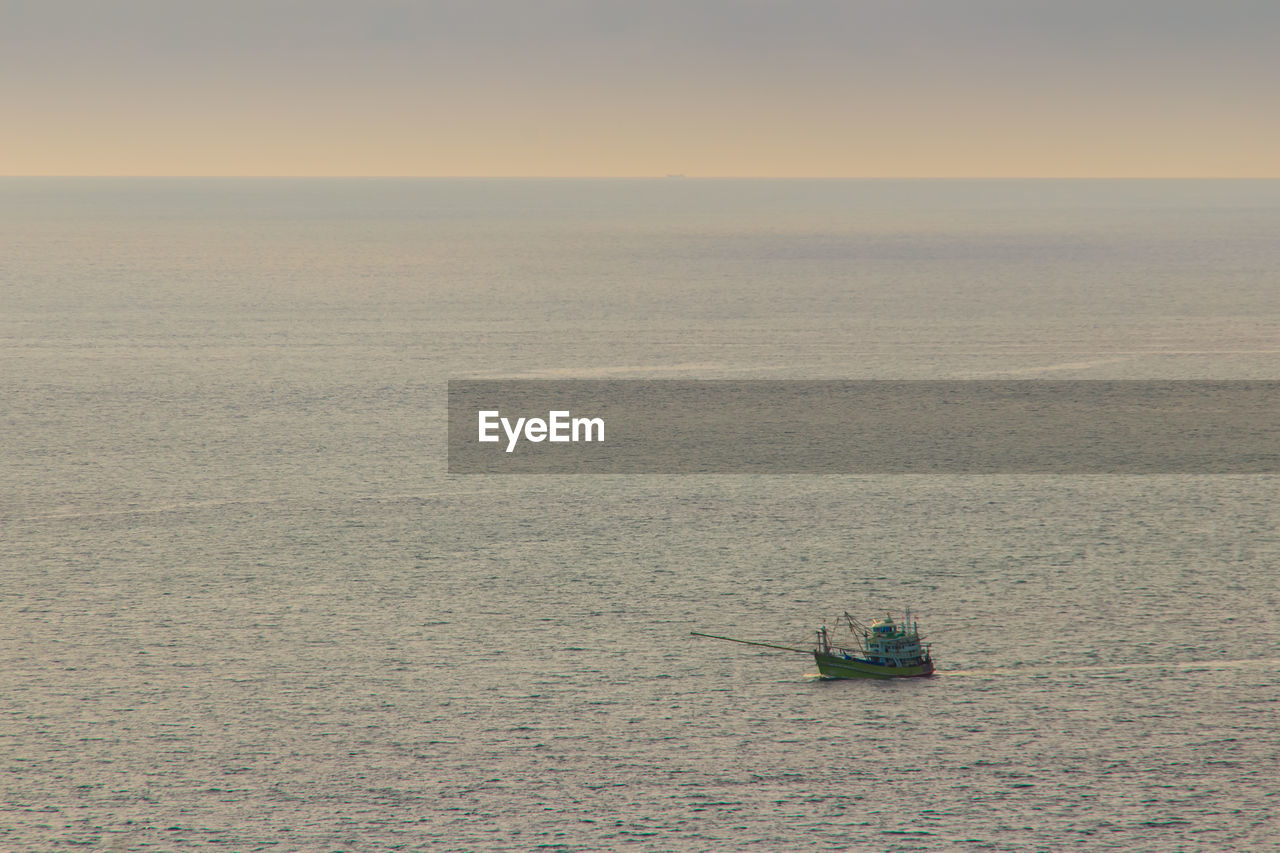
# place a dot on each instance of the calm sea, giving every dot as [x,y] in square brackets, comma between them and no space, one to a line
[243,607]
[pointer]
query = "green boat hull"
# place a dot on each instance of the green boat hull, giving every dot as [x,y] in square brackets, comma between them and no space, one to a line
[836,666]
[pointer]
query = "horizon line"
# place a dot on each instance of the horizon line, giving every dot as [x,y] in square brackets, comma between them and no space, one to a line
[670,177]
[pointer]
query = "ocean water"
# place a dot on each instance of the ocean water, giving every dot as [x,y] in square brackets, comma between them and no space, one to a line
[243,607]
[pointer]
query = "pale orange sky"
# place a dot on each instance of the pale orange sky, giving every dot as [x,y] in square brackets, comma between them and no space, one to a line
[986,88]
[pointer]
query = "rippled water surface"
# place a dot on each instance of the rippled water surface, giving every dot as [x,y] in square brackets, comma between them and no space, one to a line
[243,606]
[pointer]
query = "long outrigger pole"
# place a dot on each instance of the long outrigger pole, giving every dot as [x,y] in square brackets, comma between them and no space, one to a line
[753,643]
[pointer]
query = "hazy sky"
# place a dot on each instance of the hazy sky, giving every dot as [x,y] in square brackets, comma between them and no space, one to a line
[646,87]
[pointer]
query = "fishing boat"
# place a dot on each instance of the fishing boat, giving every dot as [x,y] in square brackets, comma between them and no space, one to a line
[885,649]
